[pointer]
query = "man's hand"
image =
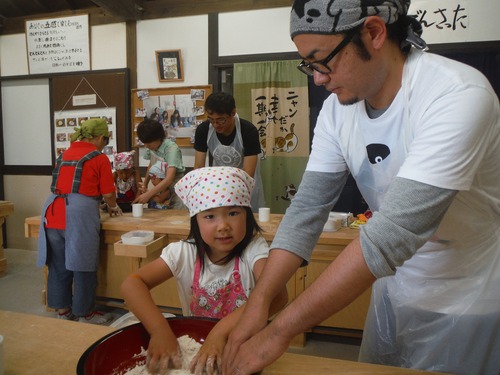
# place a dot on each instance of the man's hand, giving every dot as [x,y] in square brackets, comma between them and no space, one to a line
[251,321]
[258,352]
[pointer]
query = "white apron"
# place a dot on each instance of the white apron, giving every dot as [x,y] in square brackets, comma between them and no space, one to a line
[232,156]
[175,201]
[434,313]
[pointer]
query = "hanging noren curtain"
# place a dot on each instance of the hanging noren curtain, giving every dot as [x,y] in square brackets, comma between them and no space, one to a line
[273,95]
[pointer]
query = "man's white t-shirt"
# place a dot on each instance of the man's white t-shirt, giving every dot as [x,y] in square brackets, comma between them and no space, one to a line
[448,144]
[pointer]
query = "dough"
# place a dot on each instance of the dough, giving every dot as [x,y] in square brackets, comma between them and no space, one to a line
[189,347]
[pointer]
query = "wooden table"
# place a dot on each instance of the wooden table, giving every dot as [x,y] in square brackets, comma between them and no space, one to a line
[40,345]
[173,225]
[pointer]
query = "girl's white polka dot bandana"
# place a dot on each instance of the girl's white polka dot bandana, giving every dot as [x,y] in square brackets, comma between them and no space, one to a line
[212,187]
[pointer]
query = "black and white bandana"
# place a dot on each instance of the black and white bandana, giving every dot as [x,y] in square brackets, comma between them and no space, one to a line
[338,16]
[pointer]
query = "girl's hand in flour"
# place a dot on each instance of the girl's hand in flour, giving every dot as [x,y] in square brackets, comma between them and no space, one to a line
[163,353]
[209,357]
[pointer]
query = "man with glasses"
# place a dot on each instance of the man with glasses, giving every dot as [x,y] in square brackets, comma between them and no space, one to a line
[230,141]
[420,134]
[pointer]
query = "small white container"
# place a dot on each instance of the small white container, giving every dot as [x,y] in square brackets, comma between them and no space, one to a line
[138,237]
[264,214]
[137,209]
[332,224]
[345,217]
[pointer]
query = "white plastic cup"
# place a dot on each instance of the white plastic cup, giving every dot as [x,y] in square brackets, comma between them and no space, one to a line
[264,214]
[1,356]
[137,210]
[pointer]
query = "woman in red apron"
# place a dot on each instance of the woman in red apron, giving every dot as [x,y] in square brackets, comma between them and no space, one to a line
[215,268]
[69,235]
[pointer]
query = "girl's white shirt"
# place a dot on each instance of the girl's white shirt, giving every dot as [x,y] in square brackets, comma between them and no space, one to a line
[180,257]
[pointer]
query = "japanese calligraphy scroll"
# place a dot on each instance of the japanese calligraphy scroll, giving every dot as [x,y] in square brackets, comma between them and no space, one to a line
[273,95]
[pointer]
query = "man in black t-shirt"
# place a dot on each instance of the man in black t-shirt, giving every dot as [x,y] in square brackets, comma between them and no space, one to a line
[229,141]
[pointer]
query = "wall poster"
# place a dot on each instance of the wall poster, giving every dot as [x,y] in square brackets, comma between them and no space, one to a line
[57,45]
[66,121]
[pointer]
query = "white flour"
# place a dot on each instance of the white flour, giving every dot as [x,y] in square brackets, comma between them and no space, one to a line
[189,347]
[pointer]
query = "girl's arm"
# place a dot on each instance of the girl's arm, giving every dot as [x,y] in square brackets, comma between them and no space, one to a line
[135,289]
[210,353]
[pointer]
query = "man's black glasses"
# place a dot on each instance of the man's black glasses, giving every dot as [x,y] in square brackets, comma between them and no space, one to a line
[322,66]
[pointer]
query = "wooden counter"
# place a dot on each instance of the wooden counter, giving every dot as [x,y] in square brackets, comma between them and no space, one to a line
[174,226]
[39,345]
[6,208]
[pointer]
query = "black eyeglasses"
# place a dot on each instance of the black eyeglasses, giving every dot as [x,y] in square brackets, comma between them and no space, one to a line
[106,140]
[219,120]
[322,66]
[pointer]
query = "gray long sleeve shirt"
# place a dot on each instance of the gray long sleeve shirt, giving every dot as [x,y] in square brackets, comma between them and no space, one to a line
[409,216]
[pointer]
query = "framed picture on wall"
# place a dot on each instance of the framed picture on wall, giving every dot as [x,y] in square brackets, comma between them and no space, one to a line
[169,65]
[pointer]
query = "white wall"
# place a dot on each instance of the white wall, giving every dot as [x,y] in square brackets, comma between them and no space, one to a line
[13,55]
[189,34]
[108,46]
[26,122]
[258,31]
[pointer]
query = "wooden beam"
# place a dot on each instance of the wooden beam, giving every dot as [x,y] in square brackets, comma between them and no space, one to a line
[177,8]
[131,40]
[129,10]
[16,25]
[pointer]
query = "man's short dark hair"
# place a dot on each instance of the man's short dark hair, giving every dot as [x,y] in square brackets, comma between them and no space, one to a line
[220,102]
[150,130]
[396,32]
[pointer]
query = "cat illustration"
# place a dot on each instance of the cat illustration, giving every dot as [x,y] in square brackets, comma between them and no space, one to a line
[288,143]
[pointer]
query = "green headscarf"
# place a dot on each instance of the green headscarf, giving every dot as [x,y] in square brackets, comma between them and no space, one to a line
[90,129]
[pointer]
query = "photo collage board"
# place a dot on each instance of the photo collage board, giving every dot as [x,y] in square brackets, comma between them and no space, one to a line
[179,109]
[65,123]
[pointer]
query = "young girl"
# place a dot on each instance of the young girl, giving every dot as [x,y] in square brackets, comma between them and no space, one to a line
[215,268]
[127,179]
[156,175]
[176,120]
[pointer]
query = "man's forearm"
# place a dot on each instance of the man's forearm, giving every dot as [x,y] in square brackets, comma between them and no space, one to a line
[280,267]
[341,283]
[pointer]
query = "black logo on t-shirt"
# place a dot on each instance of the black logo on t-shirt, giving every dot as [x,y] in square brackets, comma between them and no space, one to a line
[377,152]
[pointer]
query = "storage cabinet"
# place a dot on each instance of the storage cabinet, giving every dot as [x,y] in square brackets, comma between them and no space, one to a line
[6,208]
[351,317]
